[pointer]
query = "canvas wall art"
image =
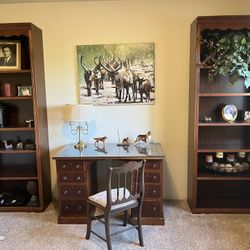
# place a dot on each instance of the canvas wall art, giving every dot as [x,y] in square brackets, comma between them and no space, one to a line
[115,74]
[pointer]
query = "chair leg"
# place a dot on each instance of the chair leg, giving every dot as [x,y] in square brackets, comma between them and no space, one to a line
[89,221]
[139,228]
[125,219]
[107,231]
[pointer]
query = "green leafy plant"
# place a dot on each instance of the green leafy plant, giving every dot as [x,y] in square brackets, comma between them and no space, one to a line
[226,53]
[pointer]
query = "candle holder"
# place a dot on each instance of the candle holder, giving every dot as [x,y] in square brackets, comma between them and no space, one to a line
[79,117]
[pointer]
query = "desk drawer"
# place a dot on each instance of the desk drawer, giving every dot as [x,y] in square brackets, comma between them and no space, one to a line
[72,177]
[153,165]
[151,209]
[73,207]
[70,166]
[73,192]
[152,191]
[152,177]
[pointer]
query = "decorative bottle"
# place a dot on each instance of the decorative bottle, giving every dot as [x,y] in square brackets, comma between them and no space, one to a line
[241,157]
[230,162]
[219,160]
[7,89]
[219,157]
[248,158]
[209,159]
[230,158]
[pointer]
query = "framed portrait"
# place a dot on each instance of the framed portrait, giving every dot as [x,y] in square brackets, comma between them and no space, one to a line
[24,90]
[10,55]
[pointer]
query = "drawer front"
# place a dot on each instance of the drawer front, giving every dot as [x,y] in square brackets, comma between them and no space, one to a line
[153,165]
[152,191]
[152,177]
[75,192]
[72,177]
[70,166]
[151,209]
[73,207]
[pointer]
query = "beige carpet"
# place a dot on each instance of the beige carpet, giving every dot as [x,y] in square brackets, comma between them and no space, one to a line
[183,230]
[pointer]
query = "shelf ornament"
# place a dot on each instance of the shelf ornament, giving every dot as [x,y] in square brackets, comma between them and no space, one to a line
[227,53]
[229,113]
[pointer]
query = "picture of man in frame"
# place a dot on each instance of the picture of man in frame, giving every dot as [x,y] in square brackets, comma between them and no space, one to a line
[9,55]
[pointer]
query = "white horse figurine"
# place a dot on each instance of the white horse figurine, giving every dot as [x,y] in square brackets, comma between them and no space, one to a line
[6,146]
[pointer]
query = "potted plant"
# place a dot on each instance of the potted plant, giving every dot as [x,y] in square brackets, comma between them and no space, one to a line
[226,53]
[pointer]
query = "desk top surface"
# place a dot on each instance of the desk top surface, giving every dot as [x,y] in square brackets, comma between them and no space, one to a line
[111,150]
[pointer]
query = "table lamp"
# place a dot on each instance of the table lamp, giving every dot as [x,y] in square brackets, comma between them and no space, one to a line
[79,117]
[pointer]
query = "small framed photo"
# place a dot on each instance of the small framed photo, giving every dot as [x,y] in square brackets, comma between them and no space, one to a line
[10,55]
[229,113]
[24,90]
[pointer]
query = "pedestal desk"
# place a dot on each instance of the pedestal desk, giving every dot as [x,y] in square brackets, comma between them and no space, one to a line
[77,177]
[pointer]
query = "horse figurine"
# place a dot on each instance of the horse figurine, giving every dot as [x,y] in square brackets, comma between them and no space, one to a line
[143,138]
[6,145]
[100,139]
[125,141]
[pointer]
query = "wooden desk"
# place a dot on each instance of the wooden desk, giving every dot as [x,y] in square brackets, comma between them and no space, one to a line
[76,177]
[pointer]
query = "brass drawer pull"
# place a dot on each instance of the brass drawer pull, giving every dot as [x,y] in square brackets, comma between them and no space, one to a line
[154,208]
[77,166]
[66,192]
[80,208]
[79,191]
[154,177]
[154,165]
[78,178]
[66,207]
[154,191]
[64,166]
[65,178]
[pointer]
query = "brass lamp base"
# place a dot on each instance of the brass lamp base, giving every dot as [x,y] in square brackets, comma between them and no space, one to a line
[80,145]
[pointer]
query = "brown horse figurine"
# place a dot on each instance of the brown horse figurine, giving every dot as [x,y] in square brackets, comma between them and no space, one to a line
[100,139]
[143,138]
[125,141]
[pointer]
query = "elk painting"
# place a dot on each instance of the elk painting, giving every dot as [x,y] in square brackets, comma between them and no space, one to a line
[116,73]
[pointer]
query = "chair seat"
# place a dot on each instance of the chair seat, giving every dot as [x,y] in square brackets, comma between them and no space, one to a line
[101,198]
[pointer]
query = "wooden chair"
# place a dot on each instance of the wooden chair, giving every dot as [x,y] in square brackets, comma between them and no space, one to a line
[125,190]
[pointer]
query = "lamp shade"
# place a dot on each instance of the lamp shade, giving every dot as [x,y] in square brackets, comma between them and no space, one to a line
[78,112]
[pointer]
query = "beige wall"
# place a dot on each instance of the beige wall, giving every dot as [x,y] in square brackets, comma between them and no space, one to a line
[167,24]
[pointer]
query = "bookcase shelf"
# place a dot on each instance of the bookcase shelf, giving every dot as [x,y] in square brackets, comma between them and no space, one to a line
[210,191]
[24,171]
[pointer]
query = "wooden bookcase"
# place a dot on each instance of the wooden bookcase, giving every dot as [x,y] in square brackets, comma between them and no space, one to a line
[26,164]
[210,191]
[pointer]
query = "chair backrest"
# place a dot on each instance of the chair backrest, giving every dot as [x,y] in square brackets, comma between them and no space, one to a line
[126,183]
